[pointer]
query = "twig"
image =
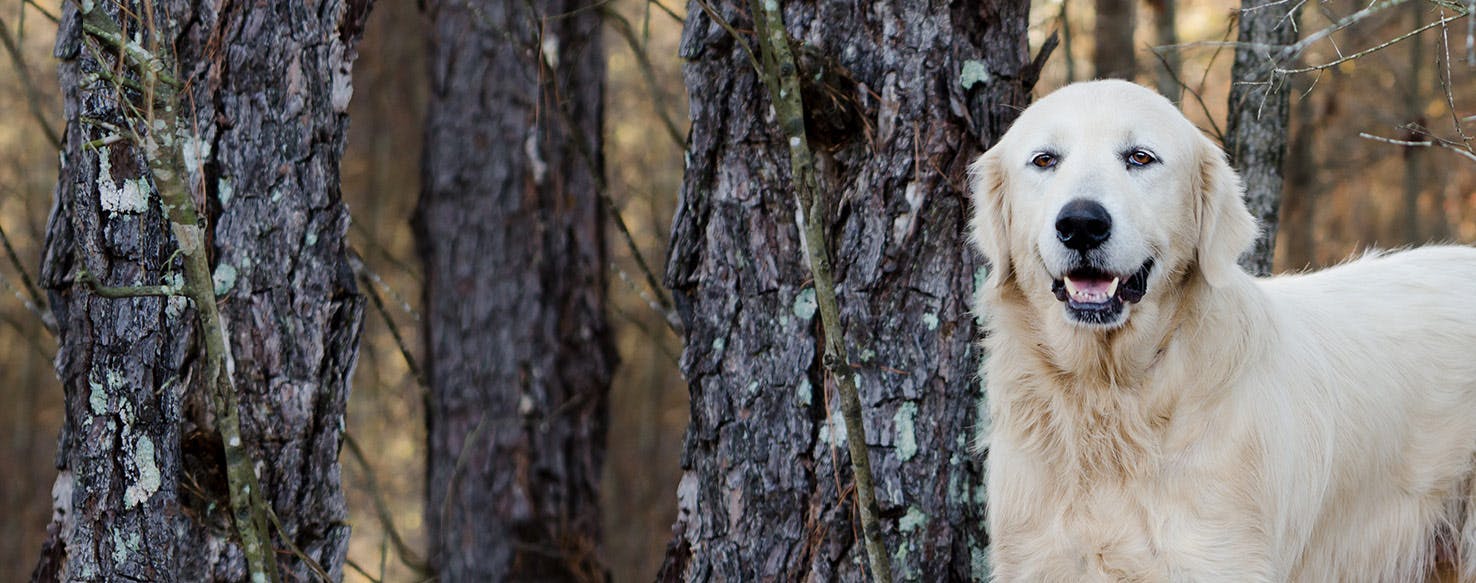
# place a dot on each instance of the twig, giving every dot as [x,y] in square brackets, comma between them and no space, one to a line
[356,567]
[782,76]
[161,144]
[39,302]
[733,32]
[379,248]
[292,547]
[1370,50]
[648,72]
[407,555]
[33,95]
[1421,144]
[602,189]
[125,291]
[394,329]
[1445,81]
[1218,133]
[668,11]
[44,12]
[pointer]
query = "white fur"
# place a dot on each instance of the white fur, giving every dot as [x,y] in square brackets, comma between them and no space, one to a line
[1315,427]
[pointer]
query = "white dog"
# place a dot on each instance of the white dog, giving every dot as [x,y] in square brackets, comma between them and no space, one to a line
[1160,415]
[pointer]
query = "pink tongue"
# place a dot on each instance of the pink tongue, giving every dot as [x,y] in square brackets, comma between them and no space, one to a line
[1094,286]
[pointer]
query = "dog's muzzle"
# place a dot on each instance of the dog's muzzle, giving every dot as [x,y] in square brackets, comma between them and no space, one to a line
[1094,296]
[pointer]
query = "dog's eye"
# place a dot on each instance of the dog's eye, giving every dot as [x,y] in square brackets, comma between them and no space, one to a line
[1140,158]
[1043,160]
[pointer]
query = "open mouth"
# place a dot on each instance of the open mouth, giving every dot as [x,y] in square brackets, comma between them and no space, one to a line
[1094,296]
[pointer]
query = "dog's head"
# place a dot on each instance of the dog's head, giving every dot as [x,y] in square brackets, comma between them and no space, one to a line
[1098,194]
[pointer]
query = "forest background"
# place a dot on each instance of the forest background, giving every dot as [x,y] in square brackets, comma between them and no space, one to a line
[1344,192]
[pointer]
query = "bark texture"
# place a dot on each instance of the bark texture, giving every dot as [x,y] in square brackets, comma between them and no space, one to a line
[1113,53]
[1256,133]
[901,98]
[141,494]
[510,227]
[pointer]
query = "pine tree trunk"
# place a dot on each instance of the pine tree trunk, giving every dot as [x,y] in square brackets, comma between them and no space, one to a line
[510,227]
[1256,134]
[1165,37]
[141,493]
[907,97]
[1113,52]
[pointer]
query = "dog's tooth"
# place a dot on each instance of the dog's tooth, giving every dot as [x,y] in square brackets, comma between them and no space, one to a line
[1112,287]
[1070,286]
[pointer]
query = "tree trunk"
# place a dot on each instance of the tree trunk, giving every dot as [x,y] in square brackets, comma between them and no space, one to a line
[1114,54]
[1165,37]
[510,227]
[1414,114]
[141,493]
[1302,188]
[900,99]
[1256,133]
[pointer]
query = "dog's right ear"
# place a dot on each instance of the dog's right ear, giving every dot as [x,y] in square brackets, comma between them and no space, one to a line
[989,227]
[1226,227]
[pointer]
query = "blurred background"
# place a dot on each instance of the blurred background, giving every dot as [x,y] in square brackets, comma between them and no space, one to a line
[1344,193]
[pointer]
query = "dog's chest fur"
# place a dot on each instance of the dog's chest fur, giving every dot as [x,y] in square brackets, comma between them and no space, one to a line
[1109,464]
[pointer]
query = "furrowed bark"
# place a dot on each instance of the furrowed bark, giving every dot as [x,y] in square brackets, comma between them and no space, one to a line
[511,229]
[1256,133]
[202,431]
[781,77]
[898,99]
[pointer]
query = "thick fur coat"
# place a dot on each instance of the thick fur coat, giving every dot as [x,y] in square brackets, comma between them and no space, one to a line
[1201,424]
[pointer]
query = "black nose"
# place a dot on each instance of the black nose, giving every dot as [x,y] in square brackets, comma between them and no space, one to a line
[1083,225]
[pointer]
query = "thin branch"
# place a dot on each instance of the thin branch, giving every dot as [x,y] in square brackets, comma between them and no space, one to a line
[407,555]
[162,146]
[1421,144]
[125,291]
[668,11]
[1445,81]
[292,547]
[384,253]
[33,95]
[733,32]
[1173,74]
[356,567]
[648,72]
[1370,50]
[602,189]
[394,329]
[38,301]
[782,79]
[44,12]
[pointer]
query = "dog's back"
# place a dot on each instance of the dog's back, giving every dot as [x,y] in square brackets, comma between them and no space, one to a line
[1376,361]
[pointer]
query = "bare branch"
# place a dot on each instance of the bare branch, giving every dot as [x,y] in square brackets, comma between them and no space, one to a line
[1379,47]
[782,79]
[1422,144]
[30,285]
[394,329]
[648,72]
[33,95]
[407,555]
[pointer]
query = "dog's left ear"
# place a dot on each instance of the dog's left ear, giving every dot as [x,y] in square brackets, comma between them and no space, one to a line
[988,228]
[1226,228]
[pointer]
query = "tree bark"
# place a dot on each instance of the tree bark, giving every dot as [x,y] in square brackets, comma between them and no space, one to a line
[1256,133]
[1302,188]
[900,99]
[141,493]
[1414,114]
[1165,37]
[510,227]
[1114,54]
